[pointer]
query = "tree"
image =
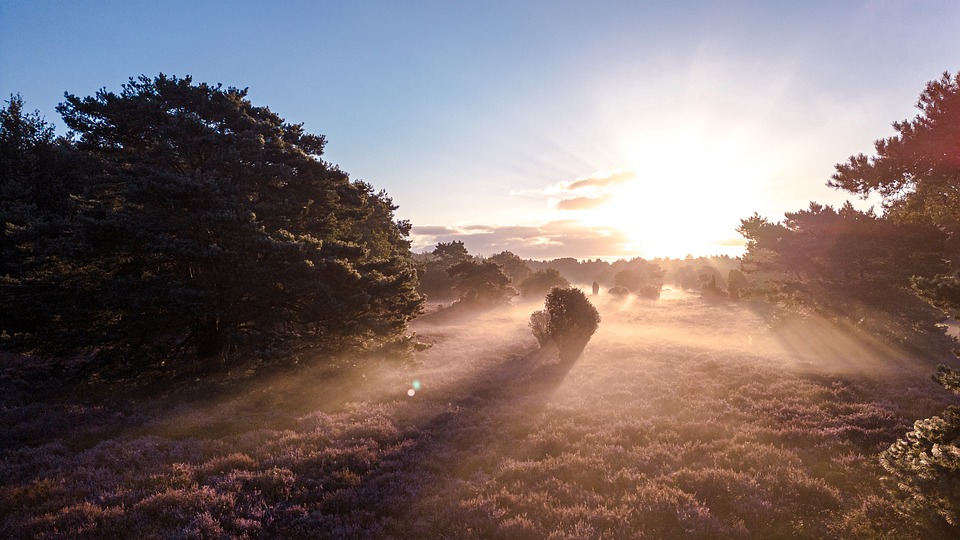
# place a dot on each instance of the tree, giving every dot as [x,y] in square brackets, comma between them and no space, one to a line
[641,277]
[736,283]
[211,226]
[481,282]
[38,184]
[435,282]
[451,253]
[573,321]
[925,464]
[917,171]
[513,265]
[541,281]
[844,264]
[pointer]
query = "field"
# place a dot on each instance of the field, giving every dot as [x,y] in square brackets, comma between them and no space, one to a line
[682,419]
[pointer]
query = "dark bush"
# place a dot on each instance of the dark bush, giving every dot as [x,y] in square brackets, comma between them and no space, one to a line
[573,320]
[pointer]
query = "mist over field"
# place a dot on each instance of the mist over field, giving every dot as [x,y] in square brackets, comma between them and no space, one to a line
[683,418]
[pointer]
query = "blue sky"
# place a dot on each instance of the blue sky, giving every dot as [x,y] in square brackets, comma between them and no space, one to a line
[584,129]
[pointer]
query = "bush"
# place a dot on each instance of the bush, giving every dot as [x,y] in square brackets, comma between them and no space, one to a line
[540,326]
[709,289]
[649,292]
[736,284]
[619,293]
[573,320]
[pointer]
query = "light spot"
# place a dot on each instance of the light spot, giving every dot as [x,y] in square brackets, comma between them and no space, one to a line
[411,392]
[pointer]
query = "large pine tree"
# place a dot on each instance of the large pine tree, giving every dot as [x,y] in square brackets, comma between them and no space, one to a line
[208,226]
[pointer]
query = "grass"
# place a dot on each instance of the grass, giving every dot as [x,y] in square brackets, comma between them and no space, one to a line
[682,419]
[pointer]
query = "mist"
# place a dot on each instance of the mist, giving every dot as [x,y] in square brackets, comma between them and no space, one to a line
[682,417]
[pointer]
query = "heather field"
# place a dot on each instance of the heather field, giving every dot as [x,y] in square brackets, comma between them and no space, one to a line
[683,419]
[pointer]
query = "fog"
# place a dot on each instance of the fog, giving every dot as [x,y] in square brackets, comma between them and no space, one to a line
[682,418]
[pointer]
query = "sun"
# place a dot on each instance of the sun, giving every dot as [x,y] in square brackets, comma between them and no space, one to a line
[682,194]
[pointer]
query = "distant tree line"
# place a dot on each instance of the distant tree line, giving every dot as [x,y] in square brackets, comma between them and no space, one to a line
[178,224]
[450,273]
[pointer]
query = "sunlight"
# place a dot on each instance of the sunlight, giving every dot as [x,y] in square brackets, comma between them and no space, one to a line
[686,195]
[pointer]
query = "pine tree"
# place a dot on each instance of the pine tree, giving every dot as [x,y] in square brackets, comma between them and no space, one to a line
[208,226]
[924,465]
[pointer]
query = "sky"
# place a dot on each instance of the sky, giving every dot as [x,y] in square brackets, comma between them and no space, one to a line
[550,129]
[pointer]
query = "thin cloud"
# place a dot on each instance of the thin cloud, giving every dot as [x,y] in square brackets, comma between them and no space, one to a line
[602,180]
[582,203]
[596,183]
[584,193]
[434,230]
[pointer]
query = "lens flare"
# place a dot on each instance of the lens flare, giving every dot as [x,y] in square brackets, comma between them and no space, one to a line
[411,392]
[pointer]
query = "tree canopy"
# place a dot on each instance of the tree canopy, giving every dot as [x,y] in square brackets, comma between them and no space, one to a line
[195,222]
[916,171]
[843,263]
[572,321]
[481,282]
[542,281]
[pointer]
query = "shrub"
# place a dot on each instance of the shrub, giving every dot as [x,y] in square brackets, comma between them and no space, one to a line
[540,326]
[736,283]
[649,292]
[709,289]
[573,320]
[619,293]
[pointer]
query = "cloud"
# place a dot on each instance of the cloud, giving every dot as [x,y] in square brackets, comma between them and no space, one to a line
[582,203]
[563,238]
[601,180]
[584,193]
[435,230]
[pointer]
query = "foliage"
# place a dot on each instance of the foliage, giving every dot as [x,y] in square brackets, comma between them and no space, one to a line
[540,326]
[208,226]
[435,280]
[710,288]
[36,204]
[642,277]
[917,171]
[481,282]
[573,320]
[451,253]
[540,282]
[942,292]
[736,284]
[844,264]
[619,293]
[513,265]
[925,464]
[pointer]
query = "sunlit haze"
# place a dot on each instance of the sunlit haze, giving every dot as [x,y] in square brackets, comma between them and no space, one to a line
[550,129]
